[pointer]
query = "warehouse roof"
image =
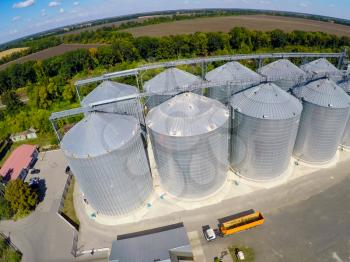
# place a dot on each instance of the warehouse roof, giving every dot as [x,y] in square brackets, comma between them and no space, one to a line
[149,245]
[109,90]
[266,101]
[19,159]
[233,71]
[282,69]
[171,81]
[323,92]
[99,133]
[187,114]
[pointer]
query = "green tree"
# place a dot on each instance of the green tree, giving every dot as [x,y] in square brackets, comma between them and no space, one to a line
[21,197]
[11,100]
[5,209]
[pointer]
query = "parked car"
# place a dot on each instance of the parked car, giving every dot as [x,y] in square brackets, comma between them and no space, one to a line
[209,233]
[34,181]
[35,171]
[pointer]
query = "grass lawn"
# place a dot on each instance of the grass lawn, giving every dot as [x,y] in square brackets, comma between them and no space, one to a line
[68,207]
[7,253]
[249,253]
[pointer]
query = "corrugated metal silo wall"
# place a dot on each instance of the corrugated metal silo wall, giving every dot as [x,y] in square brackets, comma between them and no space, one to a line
[192,167]
[286,84]
[319,133]
[262,148]
[117,182]
[345,141]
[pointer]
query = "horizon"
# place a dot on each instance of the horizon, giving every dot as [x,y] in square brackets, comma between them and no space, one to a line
[30,17]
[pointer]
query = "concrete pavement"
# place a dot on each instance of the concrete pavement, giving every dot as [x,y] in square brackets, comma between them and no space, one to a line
[43,236]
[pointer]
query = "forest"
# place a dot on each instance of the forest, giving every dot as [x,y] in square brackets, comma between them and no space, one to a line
[49,83]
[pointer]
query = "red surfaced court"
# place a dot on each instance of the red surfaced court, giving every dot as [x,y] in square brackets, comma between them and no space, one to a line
[18,163]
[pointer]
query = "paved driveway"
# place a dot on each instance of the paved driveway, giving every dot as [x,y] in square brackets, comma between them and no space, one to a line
[44,236]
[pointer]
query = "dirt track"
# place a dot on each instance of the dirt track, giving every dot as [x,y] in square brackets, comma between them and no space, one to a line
[225,24]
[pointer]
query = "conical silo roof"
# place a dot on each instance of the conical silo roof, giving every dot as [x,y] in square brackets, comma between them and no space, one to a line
[320,66]
[232,71]
[323,92]
[109,90]
[170,81]
[345,85]
[266,101]
[98,134]
[282,68]
[187,114]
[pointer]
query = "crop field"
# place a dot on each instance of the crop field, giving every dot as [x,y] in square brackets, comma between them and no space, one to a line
[50,52]
[226,23]
[12,51]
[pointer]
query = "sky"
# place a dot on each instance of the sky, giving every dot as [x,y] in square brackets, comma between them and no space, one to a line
[19,18]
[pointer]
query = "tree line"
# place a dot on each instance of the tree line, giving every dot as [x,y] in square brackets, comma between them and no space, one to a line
[49,83]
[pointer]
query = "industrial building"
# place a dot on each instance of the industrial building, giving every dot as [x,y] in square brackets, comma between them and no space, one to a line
[265,125]
[325,113]
[189,137]
[283,73]
[345,141]
[321,68]
[231,78]
[109,89]
[167,84]
[169,243]
[107,156]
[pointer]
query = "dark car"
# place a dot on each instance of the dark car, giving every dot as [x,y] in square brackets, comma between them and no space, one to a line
[35,171]
[34,181]
[67,170]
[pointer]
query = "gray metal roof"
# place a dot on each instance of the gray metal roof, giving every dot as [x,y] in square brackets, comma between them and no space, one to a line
[323,92]
[187,114]
[266,101]
[170,81]
[98,134]
[282,68]
[320,66]
[233,71]
[150,245]
[108,90]
[345,85]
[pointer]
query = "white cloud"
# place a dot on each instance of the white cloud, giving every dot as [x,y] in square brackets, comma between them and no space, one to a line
[16,18]
[23,4]
[304,4]
[43,12]
[54,4]
[264,2]
[61,10]
[76,3]
[331,5]
[13,32]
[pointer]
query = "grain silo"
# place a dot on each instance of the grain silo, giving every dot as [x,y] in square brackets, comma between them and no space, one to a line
[189,136]
[264,128]
[230,78]
[322,123]
[106,155]
[169,83]
[345,141]
[321,68]
[108,90]
[283,73]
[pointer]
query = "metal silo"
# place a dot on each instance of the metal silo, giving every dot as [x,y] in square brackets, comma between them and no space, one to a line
[264,128]
[321,68]
[325,112]
[231,78]
[108,90]
[167,84]
[283,73]
[345,141]
[107,156]
[189,136]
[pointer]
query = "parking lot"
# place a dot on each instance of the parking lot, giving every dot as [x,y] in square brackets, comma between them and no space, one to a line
[43,235]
